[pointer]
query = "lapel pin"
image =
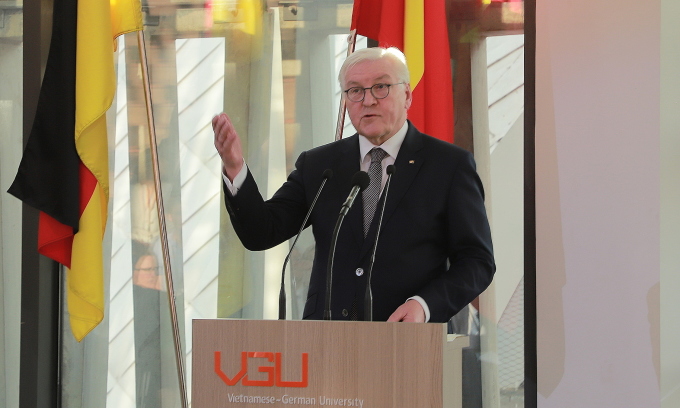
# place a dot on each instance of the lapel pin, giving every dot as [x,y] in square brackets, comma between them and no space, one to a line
[411,161]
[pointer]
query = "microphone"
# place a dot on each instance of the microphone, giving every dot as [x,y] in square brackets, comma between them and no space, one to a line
[327,174]
[360,181]
[368,296]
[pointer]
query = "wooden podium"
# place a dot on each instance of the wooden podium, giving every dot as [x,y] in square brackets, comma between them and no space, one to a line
[255,363]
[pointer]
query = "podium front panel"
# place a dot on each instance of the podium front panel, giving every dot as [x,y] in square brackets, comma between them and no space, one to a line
[255,363]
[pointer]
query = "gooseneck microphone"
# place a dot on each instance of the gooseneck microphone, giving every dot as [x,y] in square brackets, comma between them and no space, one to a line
[368,296]
[327,174]
[360,181]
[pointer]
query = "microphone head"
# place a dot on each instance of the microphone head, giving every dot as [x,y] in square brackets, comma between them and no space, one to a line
[390,169]
[328,173]
[361,179]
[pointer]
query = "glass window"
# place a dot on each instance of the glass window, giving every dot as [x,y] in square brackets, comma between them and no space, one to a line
[272,66]
[11,114]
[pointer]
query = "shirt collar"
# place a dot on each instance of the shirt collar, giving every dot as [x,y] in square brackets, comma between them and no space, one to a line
[391,145]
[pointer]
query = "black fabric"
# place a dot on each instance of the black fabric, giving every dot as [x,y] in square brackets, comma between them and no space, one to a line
[48,178]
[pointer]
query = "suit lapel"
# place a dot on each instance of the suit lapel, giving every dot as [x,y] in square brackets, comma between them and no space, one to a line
[344,168]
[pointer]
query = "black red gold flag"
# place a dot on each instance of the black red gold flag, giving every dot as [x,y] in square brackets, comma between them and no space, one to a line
[64,169]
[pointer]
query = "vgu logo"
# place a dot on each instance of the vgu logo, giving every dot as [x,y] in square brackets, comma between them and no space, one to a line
[273,372]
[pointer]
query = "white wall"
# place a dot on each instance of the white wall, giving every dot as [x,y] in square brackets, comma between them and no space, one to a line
[598,193]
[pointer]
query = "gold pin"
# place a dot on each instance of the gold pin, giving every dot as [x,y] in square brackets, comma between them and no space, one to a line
[411,161]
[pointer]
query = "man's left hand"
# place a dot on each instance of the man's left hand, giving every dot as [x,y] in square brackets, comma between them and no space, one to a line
[410,311]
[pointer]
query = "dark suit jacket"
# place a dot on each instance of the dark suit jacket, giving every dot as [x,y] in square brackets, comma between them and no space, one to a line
[435,240]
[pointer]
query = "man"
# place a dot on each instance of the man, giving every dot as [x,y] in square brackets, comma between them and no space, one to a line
[434,254]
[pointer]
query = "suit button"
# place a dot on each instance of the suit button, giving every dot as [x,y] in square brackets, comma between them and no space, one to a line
[360,271]
[345,313]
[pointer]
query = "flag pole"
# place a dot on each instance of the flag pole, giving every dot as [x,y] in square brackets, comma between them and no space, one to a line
[179,357]
[351,39]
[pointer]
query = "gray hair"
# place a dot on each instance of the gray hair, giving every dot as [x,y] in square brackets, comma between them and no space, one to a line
[373,54]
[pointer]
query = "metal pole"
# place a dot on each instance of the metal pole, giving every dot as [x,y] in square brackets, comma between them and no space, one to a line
[351,39]
[179,355]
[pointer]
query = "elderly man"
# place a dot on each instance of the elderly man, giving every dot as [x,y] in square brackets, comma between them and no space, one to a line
[434,253]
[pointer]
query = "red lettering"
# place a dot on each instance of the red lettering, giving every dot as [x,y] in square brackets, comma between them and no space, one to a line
[223,376]
[305,373]
[269,382]
[273,372]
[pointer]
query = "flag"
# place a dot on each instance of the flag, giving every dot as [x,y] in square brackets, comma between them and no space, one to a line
[419,29]
[244,20]
[64,169]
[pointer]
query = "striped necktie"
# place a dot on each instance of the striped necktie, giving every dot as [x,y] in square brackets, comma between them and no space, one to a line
[372,193]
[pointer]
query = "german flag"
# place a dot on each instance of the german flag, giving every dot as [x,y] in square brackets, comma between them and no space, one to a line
[419,29]
[64,169]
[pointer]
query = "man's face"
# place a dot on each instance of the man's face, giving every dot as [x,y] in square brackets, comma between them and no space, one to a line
[377,119]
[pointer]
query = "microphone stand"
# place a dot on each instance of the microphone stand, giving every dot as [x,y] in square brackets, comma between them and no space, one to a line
[329,273]
[368,296]
[360,181]
[328,173]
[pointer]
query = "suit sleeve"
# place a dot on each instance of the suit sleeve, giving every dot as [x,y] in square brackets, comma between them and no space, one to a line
[262,224]
[469,247]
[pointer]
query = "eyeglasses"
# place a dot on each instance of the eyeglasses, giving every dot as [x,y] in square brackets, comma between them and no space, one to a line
[379,91]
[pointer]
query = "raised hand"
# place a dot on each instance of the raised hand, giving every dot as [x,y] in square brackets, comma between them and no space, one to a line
[228,145]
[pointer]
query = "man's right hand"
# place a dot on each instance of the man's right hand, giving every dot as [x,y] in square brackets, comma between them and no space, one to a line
[228,145]
[411,311]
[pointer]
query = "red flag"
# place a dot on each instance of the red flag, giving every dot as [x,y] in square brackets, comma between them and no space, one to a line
[419,29]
